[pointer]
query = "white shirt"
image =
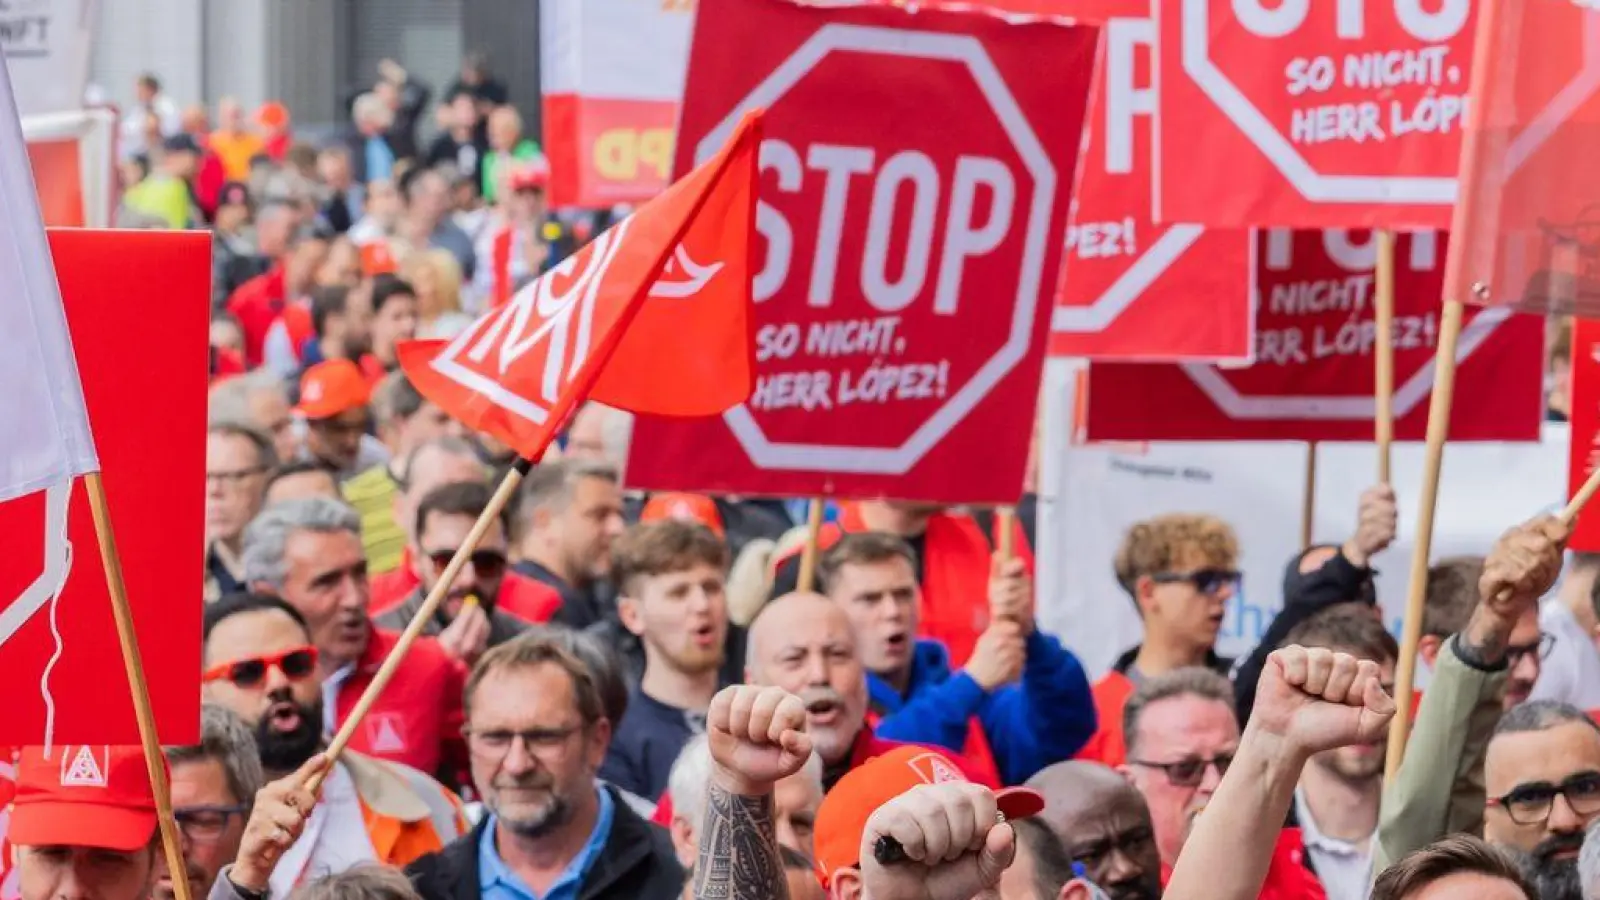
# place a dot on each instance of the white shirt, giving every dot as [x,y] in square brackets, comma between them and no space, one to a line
[1571,674]
[334,840]
[1344,869]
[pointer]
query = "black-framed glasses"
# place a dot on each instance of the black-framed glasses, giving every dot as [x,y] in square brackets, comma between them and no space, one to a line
[495,743]
[487,563]
[1530,804]
[1206,581]
[206,824]
[1188,772]
[1516,653]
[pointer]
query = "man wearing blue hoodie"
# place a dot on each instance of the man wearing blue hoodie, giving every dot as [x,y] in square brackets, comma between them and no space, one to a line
[1021,703]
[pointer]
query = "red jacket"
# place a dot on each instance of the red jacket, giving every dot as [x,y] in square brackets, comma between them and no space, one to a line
[521,596]
[418,717]
[956,562]
[1109,746]
[257,304]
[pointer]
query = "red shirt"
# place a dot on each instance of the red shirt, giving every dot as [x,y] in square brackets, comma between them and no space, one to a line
[1109,746]
[1287,875]
[521,596]
[417,719]
[257,304]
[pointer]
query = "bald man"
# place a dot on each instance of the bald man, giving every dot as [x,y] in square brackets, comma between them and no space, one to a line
[803,644]
[1104,824]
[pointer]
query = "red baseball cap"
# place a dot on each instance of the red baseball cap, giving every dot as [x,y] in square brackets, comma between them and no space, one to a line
[842,818]
[685,508]
[530,176]
[330,388]
[83,796]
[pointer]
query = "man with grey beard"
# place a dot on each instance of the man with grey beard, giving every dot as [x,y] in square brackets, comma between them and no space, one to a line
[537,733]
[1543,779]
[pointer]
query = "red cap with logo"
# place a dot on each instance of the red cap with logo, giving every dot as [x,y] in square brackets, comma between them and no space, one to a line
[685,508]
[842,818]
[83,796]
[333,387]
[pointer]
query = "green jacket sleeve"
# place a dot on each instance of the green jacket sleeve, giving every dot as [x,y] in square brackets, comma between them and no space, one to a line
[1439,788]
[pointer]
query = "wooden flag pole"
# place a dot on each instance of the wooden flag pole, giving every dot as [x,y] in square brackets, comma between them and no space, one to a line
[1383,386]
[1308,510]
[1005,519]
[425,614]
[807,577]
[128,637]
[1439,406]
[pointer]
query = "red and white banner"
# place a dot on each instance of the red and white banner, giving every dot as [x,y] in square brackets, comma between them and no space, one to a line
[73,155]
[45,44]
[1585,419]
[1313,377]
[1531,189]
[58,641]
[917,175]
[612,73]
[1342,114]
[1130,289]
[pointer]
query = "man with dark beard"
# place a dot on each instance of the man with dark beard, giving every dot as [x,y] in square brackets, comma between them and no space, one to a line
[1542,775]
[261,664]
[537,731]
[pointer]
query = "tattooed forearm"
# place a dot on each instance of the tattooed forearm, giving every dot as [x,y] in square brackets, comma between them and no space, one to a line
[739,857]
[1484,641]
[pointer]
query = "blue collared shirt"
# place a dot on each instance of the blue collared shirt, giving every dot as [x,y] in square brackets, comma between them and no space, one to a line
[498,882]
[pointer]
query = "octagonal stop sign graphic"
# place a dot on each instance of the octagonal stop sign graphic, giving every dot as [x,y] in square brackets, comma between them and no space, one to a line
[916,171]
[1325,114]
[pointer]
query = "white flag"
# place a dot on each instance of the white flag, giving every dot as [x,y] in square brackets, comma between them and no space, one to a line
[44,429]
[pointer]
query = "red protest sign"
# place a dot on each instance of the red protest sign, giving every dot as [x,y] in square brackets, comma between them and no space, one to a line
[917,174]
[1585,426]
[1313,377]
[1130,289]
[137,304]
[1311,115]
[1530,190]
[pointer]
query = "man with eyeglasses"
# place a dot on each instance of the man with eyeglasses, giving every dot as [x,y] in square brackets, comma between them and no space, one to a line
[1542,776]
[1451,598]
[214,785]
[537,733]
[1104,824]
[260,664]
[309,554]
[1182,735]
[1180,571]
[238,459]
[468,622]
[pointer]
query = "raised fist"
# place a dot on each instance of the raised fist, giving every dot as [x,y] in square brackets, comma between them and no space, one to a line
[955,845]
[757,737]
[1011,592]
[1522,567]
[1317,699]
[1377,520]
[279,815]
[998,656]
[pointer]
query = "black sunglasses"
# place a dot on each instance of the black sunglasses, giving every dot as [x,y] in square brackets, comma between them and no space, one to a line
[487,563]
[1206,581]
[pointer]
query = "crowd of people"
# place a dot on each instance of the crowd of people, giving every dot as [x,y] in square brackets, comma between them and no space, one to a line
[628,697]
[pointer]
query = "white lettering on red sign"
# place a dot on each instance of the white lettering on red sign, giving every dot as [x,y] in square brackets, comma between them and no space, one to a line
[1286,17]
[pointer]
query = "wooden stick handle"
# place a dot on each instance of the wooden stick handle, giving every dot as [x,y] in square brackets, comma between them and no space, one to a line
[1581,499]
[1383,354]
[1308,510]
[1439,406]
[419,622]
[807,578]
[128,638]
[1005,520]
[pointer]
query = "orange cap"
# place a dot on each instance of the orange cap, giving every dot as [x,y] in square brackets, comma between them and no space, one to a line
[272,114]
[685,508]
[842,818]
[330,388]
[378,259]
[83,796]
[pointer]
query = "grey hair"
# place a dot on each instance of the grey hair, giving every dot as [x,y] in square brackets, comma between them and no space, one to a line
[689,782]
[1190,681]
[225,738]
[369,881]
[1589,861]
[267,456]
[229,402]
[449,445]
[369,108]
[551,485]
[267,537]
[1541,715]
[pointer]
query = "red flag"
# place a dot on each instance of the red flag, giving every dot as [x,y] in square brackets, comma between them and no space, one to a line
[1526,231]
[653,317]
